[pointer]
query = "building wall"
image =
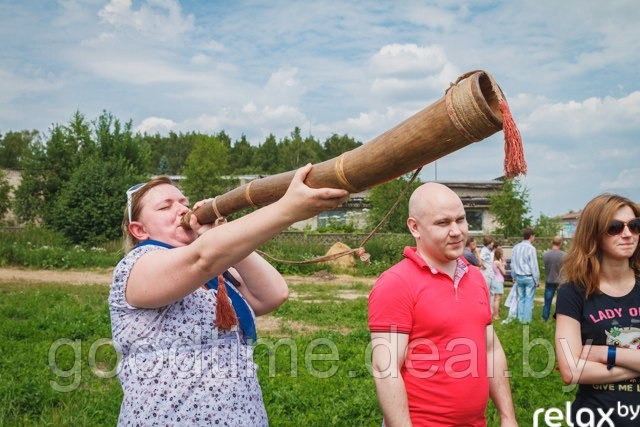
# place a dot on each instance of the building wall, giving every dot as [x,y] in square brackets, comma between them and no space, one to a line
[14,177]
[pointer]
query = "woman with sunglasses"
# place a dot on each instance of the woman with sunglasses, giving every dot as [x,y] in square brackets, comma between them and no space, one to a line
[184,362]
[598,312]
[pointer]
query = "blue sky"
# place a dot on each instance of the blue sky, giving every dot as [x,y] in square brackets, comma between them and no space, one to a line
[569,70]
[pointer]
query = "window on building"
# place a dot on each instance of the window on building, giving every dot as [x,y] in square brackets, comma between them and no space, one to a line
[328,217]
[474,219]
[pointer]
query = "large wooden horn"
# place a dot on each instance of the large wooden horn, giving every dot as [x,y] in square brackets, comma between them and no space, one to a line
[472,109]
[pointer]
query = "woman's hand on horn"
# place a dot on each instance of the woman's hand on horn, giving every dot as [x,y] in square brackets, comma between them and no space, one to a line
[304,202]
[200,229]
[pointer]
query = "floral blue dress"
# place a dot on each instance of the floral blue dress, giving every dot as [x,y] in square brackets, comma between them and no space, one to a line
[176,366]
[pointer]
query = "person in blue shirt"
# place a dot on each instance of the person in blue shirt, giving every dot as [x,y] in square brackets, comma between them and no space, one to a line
[525,273]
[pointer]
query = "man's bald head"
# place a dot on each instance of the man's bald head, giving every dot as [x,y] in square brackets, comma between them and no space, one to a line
[438,223]
[430,198]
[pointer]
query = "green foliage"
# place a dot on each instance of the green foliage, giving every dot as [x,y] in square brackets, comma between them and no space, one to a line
[115,141]
[38,247]
[47,167]
[334,225]
[336,145]
[295,251]
[206,164]
[14,146]
[77,180]
[5,189]
[266,158]
[296,151]
[89,209]
[547,226]
[241,156]
[174,148]
[163,166]
[511,208]
[383,197]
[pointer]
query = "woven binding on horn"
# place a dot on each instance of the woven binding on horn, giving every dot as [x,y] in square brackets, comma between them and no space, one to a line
[247,195]
[465,113]
[342,178]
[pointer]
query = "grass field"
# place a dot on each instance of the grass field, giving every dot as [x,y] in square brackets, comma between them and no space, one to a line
[33,317]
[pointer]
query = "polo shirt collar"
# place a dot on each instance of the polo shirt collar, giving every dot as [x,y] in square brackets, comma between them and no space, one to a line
[412,254]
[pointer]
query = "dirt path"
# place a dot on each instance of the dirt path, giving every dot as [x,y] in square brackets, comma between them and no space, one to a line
[9,274]
[55,276]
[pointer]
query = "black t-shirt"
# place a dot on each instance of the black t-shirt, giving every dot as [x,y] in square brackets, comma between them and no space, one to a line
[605,320]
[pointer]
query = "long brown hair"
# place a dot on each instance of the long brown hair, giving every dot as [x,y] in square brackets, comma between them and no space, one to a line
[497,253]
[136,208]
[582,264]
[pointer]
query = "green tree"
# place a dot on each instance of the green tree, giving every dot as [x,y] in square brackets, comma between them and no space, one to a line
[547,226]
[175,148]
[90,207]
[223,138]
[5,190]
[47,166]
[336,145]
[511,208]
[14,146]
[78,160]
[116,141]
[265,159]
[383,196]
[163,166]
[241,156]
[204,168]
[294,151]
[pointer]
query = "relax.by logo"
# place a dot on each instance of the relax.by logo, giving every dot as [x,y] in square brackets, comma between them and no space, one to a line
[584,417]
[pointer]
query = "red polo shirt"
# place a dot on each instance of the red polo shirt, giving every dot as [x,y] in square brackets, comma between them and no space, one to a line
[445,369]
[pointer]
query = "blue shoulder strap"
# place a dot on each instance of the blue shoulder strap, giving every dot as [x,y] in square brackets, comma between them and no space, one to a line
[242,309]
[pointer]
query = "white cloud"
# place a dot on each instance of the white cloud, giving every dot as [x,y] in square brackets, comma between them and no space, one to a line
[409,60]
[432,17]
[279,120]
[408,71]
[14,85]
[102,39]
[200,59]
[580,119]
[161,20]
[213,46]
[627,178]
[137,69]
[154,125]
[283,87]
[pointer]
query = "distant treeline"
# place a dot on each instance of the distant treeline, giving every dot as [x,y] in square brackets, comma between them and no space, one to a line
[168,154]
[74,177]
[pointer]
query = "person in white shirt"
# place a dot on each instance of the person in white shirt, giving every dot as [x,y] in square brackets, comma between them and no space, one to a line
[525,273]
[486,260]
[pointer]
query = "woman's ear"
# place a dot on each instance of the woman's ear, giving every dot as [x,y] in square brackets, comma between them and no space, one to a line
[138,231]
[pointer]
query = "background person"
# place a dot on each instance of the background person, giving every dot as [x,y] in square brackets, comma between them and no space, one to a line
[184,362]
[599,305]
[497,285]
[486,260]
[423,304]
[552,263]
[525,273]
[471,252]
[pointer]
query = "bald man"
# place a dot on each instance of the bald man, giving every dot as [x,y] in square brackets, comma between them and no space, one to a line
[436,358]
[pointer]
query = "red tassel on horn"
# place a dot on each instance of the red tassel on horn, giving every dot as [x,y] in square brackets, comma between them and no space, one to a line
[514,163]
[225,314]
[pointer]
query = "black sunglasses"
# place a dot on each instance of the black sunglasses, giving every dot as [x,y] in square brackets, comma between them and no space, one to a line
[616,227]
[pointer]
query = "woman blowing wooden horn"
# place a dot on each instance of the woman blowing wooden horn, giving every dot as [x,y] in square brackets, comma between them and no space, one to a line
[186,348]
